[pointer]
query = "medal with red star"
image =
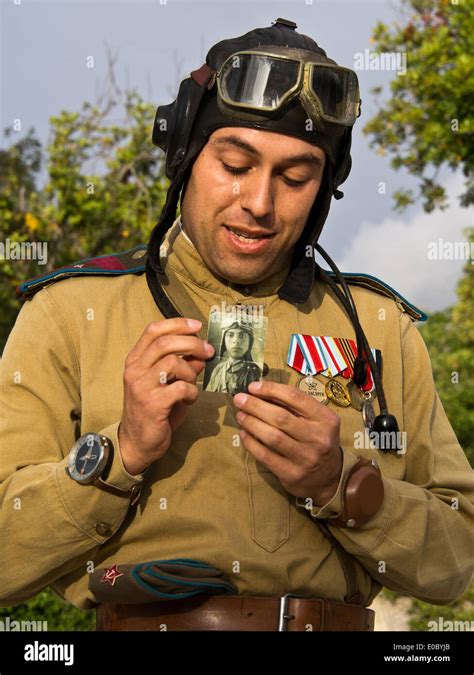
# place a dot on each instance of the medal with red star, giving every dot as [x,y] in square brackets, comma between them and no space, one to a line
[111,574]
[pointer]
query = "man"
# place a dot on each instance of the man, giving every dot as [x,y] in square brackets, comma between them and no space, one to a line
[190,509]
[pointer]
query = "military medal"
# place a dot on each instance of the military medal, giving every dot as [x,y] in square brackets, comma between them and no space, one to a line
[358,396]
[314,387]
[303,356]
[337,393]
[368,413]
[349,349]
[333,357]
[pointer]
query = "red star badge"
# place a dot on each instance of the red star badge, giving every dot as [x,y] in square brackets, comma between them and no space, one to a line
[111,575]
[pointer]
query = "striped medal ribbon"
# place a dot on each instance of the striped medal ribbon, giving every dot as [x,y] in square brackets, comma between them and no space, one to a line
[327,356]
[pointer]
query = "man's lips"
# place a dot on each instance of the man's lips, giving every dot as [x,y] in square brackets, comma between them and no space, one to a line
[247,246]
[246,232]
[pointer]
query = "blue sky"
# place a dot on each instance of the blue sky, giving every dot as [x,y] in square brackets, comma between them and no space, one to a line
[45,45]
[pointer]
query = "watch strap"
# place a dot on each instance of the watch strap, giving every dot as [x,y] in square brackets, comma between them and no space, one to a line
[363,495]
[133,493]
[101,482]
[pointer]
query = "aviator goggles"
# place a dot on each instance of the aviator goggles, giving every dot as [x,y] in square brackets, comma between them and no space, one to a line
[266,79]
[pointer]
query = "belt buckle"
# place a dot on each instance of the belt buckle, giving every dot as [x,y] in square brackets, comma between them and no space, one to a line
[283,615]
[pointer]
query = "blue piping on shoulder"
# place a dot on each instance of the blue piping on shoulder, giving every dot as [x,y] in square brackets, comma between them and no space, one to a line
[375,284]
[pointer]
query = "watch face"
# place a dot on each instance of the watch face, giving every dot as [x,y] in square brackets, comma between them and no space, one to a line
[87,459]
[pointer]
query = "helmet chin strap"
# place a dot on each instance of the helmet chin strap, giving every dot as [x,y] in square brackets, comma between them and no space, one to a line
[384,422]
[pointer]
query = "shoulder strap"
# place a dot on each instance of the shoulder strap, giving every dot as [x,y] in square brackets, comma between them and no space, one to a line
[129,262]
[378,286]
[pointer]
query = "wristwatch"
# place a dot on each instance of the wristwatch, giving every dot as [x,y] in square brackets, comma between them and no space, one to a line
[363,495]
[89,464]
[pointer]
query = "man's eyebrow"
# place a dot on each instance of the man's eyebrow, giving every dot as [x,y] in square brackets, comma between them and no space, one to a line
[235,141]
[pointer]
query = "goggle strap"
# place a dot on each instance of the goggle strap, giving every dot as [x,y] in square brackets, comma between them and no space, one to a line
[202,75]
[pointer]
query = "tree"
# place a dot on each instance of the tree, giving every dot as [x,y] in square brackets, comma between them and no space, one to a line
[425,125]
[427,122]
[104,189]
[450,339]
[50,608]
[449,336]
[18,167]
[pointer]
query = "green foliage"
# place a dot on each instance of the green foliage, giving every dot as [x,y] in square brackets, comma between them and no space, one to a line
[104,189]
[423,612]
[47,606]
[427,122]
[449,336]
[420,613]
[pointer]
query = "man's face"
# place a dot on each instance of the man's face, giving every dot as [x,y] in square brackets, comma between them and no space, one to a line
[237,342]
[255,183]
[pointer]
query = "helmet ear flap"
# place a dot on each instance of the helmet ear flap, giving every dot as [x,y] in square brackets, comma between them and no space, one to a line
[163,126]
[174,122]
[344,165]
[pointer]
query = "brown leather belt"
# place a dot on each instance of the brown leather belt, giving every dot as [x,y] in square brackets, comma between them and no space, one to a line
[236,613]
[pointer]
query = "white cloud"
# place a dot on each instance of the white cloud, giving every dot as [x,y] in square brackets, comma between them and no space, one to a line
[396,251]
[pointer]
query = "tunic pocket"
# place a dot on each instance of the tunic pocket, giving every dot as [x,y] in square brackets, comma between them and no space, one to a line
[269,506]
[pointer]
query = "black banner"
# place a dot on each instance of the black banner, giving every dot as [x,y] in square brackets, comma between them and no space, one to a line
[68,652]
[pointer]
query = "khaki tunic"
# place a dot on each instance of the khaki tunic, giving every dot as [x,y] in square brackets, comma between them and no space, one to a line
[207,498]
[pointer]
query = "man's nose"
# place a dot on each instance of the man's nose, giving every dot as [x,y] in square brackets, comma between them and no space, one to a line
[257,196]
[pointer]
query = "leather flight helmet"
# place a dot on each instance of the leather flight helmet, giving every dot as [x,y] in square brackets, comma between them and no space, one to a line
[183,127]
[243,326]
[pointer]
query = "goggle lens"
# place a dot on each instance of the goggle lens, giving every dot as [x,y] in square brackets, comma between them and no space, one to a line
[337,91]
[258,81]
[265,82]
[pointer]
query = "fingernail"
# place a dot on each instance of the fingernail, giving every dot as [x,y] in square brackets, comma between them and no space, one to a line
[255,385]
[194,323]
[240,416]
[242,433]
[209,348]
[240,399]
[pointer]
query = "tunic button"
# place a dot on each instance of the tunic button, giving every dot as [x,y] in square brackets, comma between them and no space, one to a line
[103,530]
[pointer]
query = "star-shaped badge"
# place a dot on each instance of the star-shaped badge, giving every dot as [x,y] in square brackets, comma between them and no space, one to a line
[111,575]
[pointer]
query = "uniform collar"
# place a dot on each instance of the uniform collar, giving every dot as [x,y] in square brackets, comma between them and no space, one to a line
[185,261]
